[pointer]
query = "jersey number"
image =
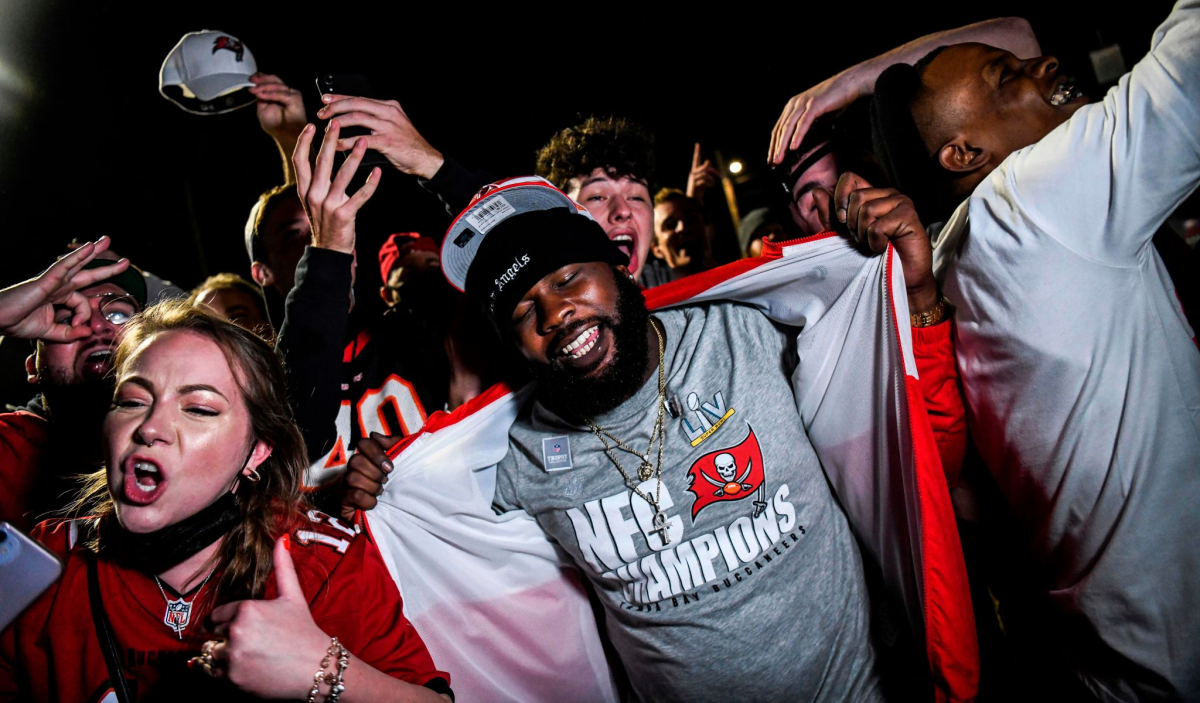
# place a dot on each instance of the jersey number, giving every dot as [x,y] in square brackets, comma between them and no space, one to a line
[378,410]
[307,537]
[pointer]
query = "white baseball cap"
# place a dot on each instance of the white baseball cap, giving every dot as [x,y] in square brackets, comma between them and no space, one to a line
[207,73]
[492,205]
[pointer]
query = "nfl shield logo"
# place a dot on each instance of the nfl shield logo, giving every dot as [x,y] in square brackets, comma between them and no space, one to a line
[556,453]
[177,615]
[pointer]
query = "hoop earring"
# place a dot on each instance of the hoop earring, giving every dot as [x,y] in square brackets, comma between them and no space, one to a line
[253,476]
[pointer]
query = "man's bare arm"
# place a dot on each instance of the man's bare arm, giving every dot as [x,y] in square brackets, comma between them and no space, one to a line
[1012,34]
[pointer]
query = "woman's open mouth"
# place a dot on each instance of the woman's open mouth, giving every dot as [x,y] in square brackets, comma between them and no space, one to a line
[144,481]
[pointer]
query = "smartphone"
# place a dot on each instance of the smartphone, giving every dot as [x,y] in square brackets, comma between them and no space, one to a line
[27,569]
[352,85]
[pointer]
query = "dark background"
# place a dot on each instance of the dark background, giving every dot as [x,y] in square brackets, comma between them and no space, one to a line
[88,147]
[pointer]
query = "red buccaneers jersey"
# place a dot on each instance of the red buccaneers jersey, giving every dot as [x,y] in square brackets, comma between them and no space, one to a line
[376,397]
[342,384]
[23,438]
[52,652]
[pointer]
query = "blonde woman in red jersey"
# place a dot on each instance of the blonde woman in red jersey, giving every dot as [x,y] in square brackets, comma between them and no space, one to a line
[205,570]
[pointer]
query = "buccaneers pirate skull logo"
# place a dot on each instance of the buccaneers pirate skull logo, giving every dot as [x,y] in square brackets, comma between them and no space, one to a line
[727,468]
[728,474]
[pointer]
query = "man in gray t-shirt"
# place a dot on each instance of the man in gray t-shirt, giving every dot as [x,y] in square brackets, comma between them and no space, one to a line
[757,591]
[725,566]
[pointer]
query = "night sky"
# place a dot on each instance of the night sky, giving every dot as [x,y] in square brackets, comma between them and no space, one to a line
[88,146]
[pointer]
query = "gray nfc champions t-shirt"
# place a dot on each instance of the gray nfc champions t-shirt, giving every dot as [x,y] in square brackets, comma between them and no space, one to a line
[759,593]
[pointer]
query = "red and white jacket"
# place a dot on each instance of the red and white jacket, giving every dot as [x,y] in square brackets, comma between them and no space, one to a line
[494,602]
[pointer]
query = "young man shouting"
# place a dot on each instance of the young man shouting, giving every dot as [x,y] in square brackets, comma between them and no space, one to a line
[605,164]
[45,446]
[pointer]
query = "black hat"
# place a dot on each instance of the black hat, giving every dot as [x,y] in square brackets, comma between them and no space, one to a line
[524,248]
[130,280]
[899,148]
[515,232]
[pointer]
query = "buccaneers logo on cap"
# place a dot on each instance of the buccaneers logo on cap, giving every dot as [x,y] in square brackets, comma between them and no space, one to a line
[483,192]
[728,474]
[229,44]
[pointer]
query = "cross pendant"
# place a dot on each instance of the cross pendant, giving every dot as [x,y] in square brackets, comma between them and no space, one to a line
[660,526]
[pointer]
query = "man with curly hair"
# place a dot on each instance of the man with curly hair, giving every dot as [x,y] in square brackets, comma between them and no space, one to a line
[607,165]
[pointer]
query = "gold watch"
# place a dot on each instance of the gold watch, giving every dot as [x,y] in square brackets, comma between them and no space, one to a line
[929,318]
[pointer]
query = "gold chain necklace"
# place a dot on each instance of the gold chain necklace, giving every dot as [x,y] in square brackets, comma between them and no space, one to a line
[645,470]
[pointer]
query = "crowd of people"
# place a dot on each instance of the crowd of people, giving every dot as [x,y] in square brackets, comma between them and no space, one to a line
[926,427]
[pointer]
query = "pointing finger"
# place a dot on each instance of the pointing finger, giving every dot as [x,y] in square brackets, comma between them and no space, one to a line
[323,173]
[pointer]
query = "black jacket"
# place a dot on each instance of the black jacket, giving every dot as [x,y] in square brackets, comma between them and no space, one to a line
[345,382]
[454,185]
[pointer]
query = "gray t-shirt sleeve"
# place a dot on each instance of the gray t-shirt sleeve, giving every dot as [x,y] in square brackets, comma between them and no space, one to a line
[505,498]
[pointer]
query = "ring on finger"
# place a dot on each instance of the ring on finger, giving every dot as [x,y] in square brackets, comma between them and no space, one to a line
[205,662]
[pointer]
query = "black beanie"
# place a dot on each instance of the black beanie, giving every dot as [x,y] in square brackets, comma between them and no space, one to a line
[899,147]
[522,249]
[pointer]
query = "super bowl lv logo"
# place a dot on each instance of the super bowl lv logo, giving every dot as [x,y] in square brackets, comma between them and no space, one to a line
[733,473]
[229,44]
[707,417]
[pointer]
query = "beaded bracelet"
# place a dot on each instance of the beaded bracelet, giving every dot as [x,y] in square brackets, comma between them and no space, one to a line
[336,687]
[334,681]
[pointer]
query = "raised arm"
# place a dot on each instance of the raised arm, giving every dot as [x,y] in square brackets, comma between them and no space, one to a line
[50,306]
[281,115]
[316,315]
[1013,34]
[394,135]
